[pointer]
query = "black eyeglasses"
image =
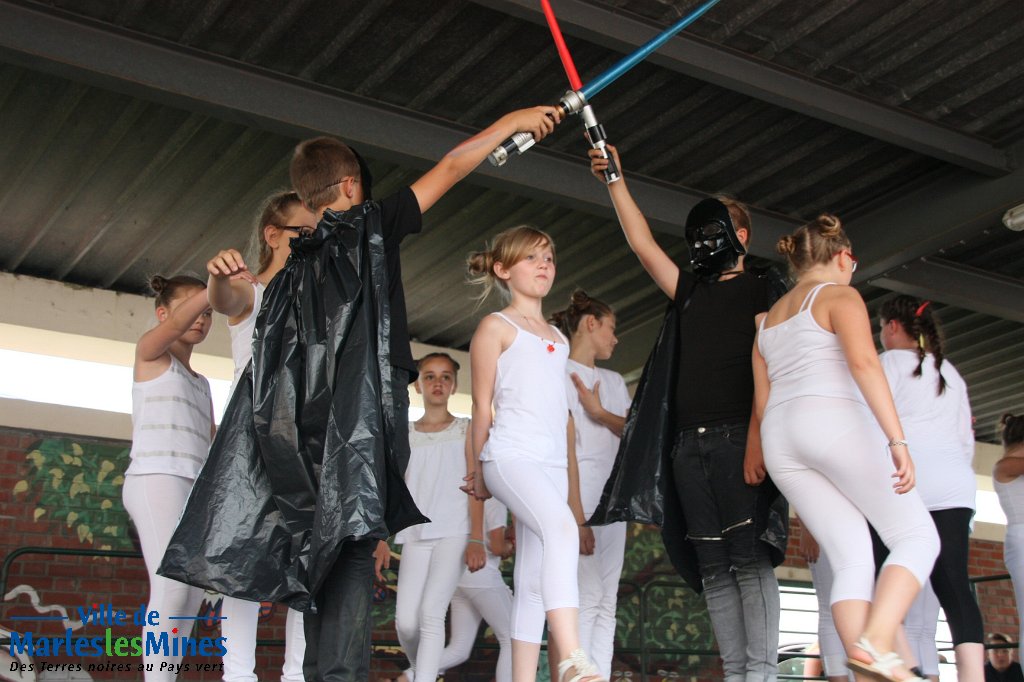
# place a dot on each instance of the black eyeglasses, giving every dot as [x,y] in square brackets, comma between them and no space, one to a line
[304,230]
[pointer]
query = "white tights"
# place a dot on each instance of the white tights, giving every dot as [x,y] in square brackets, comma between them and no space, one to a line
[828,457]
[493,604]
[427,576]
[547,540]
[241,620]
[599,592]
[155,502]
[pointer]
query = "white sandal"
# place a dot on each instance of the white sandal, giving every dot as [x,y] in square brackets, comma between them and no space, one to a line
[581,663]
[881,666]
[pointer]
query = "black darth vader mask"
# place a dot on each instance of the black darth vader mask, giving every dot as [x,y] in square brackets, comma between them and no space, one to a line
[714,246]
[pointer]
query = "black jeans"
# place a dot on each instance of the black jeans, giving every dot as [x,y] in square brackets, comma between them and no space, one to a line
[338,634]
[719,506]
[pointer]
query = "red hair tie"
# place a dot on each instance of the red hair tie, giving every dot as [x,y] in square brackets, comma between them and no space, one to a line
[921,308]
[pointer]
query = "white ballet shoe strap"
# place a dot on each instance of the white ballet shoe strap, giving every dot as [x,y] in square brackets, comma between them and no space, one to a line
[581,663]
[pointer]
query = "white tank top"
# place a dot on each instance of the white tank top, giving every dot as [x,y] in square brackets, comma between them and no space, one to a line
[530,410]
[437,467]
[1011,499]
[171,421]
[241,335]
[805,359]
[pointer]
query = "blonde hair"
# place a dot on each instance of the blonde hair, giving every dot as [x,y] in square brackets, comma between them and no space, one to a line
[815,243]
[508,248]
[275,212]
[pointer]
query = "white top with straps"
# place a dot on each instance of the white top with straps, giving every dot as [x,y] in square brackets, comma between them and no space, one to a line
[530,410]
[241,335]
[171,423]
[437,467]
[804,359]
[1011,499]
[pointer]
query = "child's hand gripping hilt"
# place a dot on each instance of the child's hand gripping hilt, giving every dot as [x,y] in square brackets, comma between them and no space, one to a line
[598,140]
[572,102]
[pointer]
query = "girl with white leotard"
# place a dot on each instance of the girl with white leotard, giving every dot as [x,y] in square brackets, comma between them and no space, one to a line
[434,554]
[826,415]
[172,426]
[1008,480]
[521,451]
[598,402]
[238,293]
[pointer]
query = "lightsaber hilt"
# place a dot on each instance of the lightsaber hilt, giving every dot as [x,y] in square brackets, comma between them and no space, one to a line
[572,103]
[598,140]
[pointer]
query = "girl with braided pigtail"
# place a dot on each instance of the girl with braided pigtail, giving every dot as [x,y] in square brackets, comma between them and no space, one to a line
[931,399]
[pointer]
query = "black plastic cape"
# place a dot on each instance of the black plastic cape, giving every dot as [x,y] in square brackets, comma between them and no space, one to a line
[302,461]
[641,486]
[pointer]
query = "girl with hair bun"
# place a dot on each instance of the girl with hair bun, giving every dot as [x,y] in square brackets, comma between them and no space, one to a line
[821,396]
[237,292]
[931,399]
[1009,484]
[598,402]
[520,453]
[172,426]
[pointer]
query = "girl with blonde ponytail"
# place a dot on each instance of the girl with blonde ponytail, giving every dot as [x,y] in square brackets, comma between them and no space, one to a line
[520,448]
[826,413]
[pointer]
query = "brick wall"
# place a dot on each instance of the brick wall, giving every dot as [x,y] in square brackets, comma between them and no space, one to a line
[63,493]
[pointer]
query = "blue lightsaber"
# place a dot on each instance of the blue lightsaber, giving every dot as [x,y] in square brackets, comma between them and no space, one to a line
[629,61]
[574,101]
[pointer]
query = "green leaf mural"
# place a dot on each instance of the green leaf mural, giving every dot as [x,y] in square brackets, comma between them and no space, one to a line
[78,484]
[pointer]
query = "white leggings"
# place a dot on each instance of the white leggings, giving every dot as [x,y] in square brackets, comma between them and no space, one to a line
[427,576]
[155,502]
[828,457]
[920,625]
[493,604]
[547,540]
[599,593]
[241,621]
[1013,557]
[833,655]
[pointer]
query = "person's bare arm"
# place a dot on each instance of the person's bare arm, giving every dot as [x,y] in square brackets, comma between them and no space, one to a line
[476,554]
[229,286]
[1008,468]
[590,399]
[155,343]
[848,316]
[460,162]
[653,258]
[575,499]
[484,350]
[754,471]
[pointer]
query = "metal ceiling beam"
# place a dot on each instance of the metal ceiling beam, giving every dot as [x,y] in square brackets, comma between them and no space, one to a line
[958,285]
[702,59]
[47,39]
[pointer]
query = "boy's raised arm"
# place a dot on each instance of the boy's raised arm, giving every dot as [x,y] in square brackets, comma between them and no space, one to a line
[460,162]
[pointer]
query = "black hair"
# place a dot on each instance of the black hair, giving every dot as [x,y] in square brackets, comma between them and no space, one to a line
[915,316]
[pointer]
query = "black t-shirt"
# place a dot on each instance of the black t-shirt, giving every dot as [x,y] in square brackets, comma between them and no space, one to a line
[715,384]
[400,216]
[1011,674]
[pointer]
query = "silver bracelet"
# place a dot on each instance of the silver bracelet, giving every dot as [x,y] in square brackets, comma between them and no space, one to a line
[897,441]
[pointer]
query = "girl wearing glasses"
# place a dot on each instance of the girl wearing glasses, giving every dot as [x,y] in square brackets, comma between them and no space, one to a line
[236,292]
[826,416]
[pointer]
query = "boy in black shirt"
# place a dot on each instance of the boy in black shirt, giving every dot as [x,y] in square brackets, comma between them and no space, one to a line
[715,524]
[331,180]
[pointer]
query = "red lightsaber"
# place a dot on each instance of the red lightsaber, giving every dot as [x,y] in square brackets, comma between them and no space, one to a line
[563,50]
[595,131]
